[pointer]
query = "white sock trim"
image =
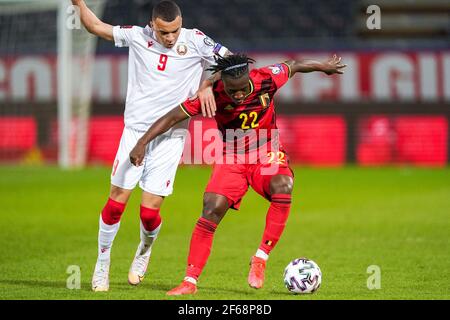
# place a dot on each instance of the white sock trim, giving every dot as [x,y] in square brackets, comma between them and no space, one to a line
[261,254]
[191,280]
[108,227]
[152,233]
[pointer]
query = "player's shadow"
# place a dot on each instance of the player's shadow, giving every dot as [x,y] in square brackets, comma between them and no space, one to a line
[207,289]
[146,285]
[166,287]
[282,293]
[36,283]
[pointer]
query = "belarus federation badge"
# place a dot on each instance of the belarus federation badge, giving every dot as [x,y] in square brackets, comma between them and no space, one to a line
[182,49]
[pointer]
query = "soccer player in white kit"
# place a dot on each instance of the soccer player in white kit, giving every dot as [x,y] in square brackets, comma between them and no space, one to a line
[165,67]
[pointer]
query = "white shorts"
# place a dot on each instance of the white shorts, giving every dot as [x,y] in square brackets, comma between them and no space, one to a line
[157,173]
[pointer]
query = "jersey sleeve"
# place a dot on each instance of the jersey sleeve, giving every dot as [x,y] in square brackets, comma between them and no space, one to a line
[123,35]
[207,47]
[280,73]
[191,107]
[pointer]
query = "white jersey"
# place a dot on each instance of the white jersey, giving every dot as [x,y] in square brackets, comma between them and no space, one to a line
[160,78]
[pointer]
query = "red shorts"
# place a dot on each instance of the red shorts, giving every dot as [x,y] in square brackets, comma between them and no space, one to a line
[232,180]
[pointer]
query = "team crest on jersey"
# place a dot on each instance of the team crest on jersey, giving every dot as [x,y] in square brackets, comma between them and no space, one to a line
[182,49]
[265,100]
[276,69]
[209,42]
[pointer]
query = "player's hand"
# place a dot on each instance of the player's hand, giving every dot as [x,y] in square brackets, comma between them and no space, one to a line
[334,65]
[207,101]
[137,154]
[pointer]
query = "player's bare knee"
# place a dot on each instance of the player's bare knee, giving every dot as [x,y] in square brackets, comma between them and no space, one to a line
[119,194]
[281,184]
[213,212]
[214,208]
[151,201]
[152,205]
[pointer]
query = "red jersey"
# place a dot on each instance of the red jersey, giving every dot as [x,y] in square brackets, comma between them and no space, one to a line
[248,125]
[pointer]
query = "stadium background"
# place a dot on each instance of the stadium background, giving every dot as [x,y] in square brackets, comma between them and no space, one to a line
[390,107]
[389,112]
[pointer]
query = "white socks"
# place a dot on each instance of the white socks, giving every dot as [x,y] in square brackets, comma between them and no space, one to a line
[107,233]
[148,237]
[106,236]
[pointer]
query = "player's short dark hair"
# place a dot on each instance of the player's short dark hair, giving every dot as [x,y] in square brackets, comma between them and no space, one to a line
[235,65]
[166,10]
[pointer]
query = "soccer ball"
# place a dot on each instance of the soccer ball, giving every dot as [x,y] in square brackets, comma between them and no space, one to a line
[302,276]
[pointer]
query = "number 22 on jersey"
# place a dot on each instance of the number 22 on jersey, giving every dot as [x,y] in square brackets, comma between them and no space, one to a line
[246,124]
[162,62]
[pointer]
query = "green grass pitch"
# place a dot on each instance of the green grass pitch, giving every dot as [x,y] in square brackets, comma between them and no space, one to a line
[344,219]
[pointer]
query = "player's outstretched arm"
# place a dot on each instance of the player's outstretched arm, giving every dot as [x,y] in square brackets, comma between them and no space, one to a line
[159,127]
[93,24]
[331,66]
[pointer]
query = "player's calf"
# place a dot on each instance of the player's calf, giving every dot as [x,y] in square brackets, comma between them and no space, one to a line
[276,218]
[109,224]
[112,212]
[150,226]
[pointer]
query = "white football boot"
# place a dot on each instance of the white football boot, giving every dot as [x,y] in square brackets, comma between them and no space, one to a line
[139,265]
[100,279]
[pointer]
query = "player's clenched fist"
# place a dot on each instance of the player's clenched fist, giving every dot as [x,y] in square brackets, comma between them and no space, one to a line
[137,154]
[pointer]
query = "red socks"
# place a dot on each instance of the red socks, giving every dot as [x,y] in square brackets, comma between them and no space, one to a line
[112,212]
[203,234]
[200,247]
[275,221]
[150,218]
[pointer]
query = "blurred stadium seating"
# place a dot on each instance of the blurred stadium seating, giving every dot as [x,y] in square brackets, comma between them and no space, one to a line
[391,107]
[266,25]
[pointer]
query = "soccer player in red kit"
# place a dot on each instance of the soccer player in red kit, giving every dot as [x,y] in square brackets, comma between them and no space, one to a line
[245,104]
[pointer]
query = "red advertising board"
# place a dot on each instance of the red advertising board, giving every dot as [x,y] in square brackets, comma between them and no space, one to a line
[416,140]
[411,76]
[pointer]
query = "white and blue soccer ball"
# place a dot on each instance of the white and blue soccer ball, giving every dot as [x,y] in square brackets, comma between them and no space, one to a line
[302,276]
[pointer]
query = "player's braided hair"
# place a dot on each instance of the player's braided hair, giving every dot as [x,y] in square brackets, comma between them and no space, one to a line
[234,65]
